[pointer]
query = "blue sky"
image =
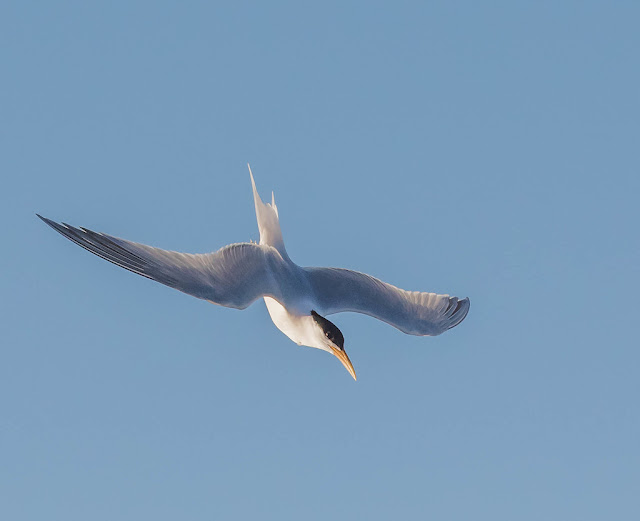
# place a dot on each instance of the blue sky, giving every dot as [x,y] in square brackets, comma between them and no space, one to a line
[487,150]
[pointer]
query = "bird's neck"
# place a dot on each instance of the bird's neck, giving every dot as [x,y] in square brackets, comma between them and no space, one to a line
[297,326]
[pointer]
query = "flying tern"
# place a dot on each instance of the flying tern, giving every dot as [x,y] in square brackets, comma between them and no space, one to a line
[297,298]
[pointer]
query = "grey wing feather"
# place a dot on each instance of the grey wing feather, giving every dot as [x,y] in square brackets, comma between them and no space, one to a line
[412,312]
[234,276]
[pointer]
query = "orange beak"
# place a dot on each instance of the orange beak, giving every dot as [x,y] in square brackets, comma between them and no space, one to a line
[342,356]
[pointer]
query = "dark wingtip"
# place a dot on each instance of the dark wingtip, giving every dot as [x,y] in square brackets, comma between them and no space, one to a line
[457,310]
[461,311]
[45,220]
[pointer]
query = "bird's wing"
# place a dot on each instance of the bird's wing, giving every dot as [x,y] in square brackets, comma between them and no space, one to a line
[412,312]
[233,276]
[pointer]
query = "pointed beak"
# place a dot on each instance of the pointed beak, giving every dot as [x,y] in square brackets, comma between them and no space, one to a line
[342,356]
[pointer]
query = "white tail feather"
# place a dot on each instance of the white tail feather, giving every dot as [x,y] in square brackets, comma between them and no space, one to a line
[268,222]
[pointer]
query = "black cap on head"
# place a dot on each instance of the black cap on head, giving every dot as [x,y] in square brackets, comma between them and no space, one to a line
[330,330]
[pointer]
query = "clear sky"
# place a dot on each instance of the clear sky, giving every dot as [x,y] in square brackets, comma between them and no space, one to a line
[481,149]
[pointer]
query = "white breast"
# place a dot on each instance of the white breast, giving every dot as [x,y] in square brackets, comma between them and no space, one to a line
[298,328]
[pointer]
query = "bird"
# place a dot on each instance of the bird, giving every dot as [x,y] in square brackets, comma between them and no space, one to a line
[297,298]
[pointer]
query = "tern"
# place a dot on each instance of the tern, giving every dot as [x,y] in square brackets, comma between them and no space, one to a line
[297,298]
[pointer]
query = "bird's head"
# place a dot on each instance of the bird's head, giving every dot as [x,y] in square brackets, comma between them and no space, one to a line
[329,338]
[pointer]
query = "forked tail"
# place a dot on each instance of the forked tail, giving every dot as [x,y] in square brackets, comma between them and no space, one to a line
[268,222]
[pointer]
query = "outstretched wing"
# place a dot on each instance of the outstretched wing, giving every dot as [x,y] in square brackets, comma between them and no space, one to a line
[234,276]
[412,312]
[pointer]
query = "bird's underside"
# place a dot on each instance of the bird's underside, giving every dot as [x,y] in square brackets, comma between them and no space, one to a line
[238,274]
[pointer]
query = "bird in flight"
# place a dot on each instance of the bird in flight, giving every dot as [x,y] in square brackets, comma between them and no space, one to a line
[297,298]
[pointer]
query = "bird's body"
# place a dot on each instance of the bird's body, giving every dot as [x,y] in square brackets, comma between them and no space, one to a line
[297,298]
